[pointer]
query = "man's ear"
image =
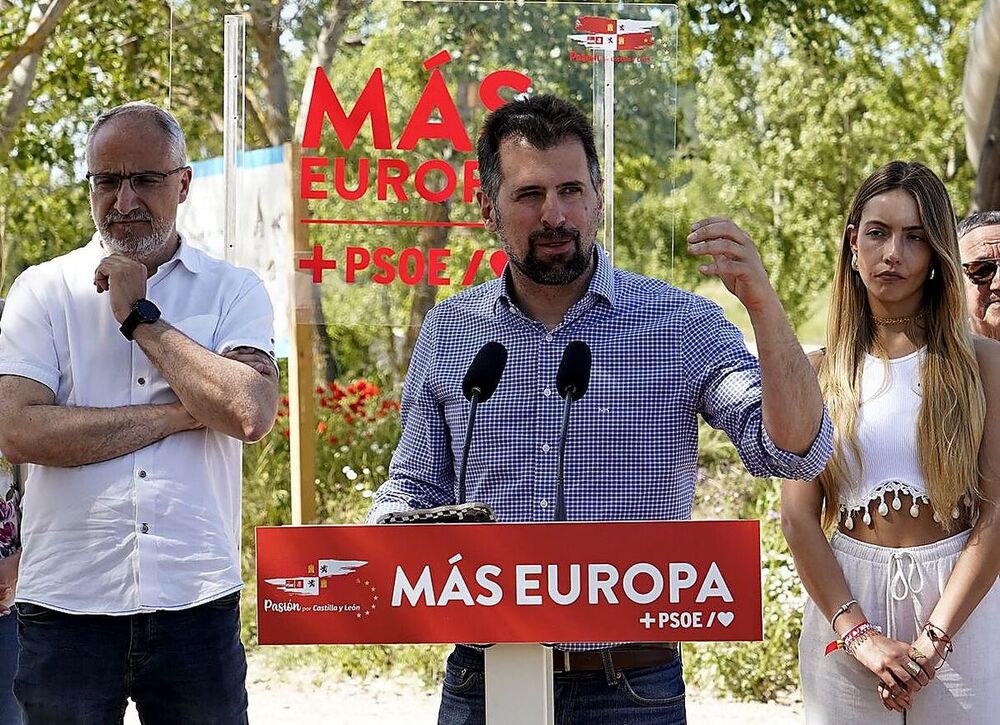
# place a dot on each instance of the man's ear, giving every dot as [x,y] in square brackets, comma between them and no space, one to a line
[186,175]
[486,211]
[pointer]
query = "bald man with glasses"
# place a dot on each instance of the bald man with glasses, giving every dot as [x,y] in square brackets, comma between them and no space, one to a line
[979,243]
[131,371]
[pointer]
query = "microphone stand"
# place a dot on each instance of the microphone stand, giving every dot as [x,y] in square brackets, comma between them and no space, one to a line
[476,392]
[560,513]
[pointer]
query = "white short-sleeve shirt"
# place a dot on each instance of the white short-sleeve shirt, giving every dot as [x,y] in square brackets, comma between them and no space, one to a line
[158,528]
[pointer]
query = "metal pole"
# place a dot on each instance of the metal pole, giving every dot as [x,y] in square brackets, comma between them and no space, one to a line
[233,113]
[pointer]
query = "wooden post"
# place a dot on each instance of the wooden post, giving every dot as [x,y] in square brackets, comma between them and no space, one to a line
[301,412]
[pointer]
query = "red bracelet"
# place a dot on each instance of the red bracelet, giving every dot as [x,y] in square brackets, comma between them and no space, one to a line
[936,633]
[847,638]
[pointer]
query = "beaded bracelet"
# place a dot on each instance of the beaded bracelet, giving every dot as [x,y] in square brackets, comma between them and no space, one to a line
[854,637]
[870,631]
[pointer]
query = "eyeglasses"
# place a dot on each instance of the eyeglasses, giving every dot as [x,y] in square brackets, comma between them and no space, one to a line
[981,271]
[142,182]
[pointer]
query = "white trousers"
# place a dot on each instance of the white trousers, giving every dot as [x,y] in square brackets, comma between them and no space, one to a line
[897,589]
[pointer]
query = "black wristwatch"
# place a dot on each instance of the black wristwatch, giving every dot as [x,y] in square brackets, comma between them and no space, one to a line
[143,312]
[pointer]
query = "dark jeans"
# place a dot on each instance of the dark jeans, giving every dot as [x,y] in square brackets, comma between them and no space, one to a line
[640,696]
[10,713]
[181,668]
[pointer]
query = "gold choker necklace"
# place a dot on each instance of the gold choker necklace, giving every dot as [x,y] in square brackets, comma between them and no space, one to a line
[889,321]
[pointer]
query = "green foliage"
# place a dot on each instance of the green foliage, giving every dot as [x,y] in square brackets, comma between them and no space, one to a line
[794,115]
[760,671]
[357,428]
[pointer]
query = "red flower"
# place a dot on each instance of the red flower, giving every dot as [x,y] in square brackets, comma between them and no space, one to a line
[349,419]
[321,427]
[284,401]
[285,433]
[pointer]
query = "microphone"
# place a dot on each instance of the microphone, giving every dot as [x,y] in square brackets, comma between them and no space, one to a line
[478,385]
[484,373]
[572,381]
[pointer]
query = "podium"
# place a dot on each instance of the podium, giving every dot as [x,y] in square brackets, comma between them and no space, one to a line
[514,585]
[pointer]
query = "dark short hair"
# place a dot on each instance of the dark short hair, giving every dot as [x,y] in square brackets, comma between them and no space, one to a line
[542,121]
[978,219]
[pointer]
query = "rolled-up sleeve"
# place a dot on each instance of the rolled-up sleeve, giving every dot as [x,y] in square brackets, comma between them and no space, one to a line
[421,473]
[727,388]
[249,320]
[27,343]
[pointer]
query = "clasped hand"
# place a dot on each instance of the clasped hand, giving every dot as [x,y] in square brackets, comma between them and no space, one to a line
[902,669]
[124,279]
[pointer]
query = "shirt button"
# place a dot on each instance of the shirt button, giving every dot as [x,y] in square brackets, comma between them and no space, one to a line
[545,448]
[548,337]
[543,503]
[144,528]
[547,392]
[142,474]
[141,381]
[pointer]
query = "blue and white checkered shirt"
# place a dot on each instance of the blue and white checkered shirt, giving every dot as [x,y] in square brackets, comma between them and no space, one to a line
[661,355]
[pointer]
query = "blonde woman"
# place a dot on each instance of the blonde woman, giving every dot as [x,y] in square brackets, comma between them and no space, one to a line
[904,619]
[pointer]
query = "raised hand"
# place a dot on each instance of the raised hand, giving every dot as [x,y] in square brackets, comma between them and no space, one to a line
[735,260]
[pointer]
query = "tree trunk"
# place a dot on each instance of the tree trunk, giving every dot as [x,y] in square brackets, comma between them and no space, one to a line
[265,29]
[334,24]
[22,64]
[425,294]
[986,195]
[275,115]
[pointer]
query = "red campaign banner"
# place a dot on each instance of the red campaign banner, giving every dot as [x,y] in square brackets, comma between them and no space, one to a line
[551,582]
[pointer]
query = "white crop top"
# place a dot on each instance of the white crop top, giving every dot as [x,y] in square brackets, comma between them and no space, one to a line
[887,437]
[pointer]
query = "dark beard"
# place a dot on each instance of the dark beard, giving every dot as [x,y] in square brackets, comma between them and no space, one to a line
[558,271]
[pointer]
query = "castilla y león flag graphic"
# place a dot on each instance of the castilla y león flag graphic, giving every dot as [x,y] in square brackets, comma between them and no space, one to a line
[608,33]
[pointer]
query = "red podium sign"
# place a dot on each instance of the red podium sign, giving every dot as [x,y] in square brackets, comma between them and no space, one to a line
[559,582]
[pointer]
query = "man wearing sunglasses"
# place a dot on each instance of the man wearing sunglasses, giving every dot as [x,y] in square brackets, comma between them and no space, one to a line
[979,243]
[131,371]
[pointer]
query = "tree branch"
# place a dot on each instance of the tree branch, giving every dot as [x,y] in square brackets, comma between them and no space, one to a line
[44,17]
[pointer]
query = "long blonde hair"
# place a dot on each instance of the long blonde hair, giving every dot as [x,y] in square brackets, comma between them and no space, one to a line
[953,406]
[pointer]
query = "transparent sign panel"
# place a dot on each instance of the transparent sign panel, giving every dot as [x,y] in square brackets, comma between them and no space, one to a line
[388,166]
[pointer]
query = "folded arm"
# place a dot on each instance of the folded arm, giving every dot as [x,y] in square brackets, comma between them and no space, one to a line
[33,429]
[227,395]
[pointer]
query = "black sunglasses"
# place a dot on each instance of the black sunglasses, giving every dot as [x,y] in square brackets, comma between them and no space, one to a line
[981,271]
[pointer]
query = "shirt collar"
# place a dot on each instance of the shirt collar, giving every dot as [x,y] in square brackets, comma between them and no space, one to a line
[185,254]
[188,255]
[602,283]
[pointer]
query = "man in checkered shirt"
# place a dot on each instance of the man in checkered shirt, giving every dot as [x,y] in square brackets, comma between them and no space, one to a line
[661,356]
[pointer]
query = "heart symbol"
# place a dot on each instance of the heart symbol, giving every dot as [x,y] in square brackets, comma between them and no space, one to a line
[498,260]
[725,618]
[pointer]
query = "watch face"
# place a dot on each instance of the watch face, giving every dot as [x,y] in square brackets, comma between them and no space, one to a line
[146,311]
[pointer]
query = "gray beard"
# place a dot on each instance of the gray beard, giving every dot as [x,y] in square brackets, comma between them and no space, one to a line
[140,249]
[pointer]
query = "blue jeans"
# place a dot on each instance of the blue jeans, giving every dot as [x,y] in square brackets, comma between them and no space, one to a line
[640,696]
[182,667]
[10,713]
